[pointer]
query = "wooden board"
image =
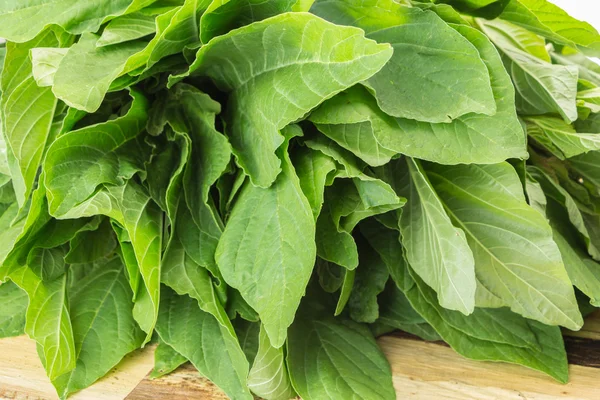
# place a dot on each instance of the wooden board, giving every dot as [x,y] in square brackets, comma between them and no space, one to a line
[421,370]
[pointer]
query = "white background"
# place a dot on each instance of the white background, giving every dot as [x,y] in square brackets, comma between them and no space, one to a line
[585,10]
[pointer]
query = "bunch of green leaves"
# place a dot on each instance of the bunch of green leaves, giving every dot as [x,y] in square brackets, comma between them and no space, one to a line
[262,187]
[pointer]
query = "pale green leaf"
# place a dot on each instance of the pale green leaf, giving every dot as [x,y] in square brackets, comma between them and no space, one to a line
[561,138]
[268,377]
[437,250]
[541,87]
[550,21]
[516,259]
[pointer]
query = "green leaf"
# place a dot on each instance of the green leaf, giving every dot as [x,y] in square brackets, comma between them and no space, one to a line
[268,377]
[198,336]
[313,169]
[268,90]
[541,87]
[45,62]
[550,21]
[507,35]
[183,275]
[92,245]
[14,307]
[332,358]
[267,250]
[345,290]
[425,61]
[87,71]
[472,138]
[72,175]
[516,259]
[27,111]
[74,16]
[127,27]
[222,16]
[103,326]
[436,250]
[561,138]
[132,208]
[370,279]
[166,360]
[48,320]
[549,357]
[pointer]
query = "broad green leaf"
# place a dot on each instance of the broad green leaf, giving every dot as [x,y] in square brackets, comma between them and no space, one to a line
[21,22]
[198,336]
[72,175]
[550,357]
[14,307]
[560,138]
[269,89]
[104,330]
[494,325]
[345,120]
[222,16]
[516,259]
[48,320]
[541,87]
[472,138]
[27,111]
[333,358]
[268,377]
[127,27]
[166,360]
[550,21]
[437,250]
[425,61]
[267,250]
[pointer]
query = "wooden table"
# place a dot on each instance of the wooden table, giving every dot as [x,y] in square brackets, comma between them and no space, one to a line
[421,370]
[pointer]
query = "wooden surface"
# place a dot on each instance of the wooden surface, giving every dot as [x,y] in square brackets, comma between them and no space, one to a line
[421,370]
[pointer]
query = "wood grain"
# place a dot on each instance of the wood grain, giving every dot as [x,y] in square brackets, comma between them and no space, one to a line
[23,377]
[421,371]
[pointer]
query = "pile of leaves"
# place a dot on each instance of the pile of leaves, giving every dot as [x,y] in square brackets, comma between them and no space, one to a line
[262,187]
